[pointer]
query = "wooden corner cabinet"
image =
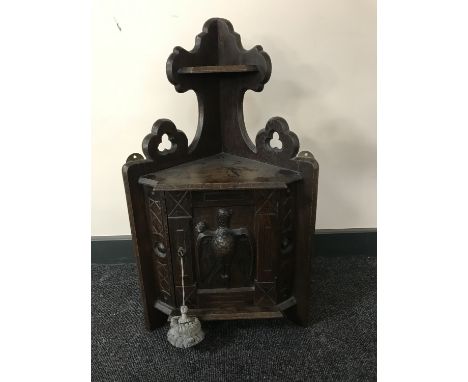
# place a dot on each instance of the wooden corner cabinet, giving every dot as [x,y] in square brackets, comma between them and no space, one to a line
[241,213]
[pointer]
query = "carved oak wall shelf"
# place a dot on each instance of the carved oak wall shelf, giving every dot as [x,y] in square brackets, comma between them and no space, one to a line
[243,213]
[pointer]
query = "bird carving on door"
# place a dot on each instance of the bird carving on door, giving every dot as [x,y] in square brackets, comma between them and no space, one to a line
[222,242]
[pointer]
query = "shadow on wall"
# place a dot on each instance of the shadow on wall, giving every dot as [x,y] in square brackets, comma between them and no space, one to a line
[297,92]
[342,148]
[289,88]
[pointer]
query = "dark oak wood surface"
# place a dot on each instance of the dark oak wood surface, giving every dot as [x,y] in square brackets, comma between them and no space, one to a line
[241,211]
[217,69]
[222,171]
[232,313]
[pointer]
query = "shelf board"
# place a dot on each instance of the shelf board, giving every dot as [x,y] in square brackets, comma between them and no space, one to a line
[217,69]
[241,313]
[221,172]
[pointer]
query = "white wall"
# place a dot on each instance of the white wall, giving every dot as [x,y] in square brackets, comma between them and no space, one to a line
[323,83]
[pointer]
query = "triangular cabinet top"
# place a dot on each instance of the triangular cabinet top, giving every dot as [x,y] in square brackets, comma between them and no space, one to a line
[221,172]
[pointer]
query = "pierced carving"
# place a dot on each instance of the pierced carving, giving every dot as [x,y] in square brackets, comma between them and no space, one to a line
[289,140]
[219,68]
[152,141]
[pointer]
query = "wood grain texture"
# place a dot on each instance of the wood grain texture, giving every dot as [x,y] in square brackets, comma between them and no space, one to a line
[271,194]
[239,262]
[217,69]
[162,254]
[233,313]
[223,172]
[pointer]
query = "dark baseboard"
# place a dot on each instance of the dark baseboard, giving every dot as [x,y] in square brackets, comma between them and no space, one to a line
[112,249]
[346,242]
[328,242]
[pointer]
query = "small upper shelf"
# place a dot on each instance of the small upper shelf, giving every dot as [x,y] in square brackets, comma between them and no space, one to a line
[218,69]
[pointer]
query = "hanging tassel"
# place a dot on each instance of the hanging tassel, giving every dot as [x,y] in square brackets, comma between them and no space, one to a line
[185,331]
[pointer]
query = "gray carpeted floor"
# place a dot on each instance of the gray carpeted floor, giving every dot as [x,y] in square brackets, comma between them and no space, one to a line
[338,345]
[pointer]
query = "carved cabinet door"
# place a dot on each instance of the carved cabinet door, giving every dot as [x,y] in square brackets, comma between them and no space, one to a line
[224,248]
[237,247]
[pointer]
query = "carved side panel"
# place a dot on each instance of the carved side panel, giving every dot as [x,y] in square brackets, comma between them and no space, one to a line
[179,217]
[267,236]
[287,243]
[161,253]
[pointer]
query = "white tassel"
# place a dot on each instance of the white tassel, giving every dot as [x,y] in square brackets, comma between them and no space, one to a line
[185,331]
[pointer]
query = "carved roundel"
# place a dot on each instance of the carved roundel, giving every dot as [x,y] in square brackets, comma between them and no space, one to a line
[178,139]
[289,140]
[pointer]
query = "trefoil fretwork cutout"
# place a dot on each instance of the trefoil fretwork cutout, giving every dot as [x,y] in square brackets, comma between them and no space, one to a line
[289,140]
[152,142]
[220,70]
